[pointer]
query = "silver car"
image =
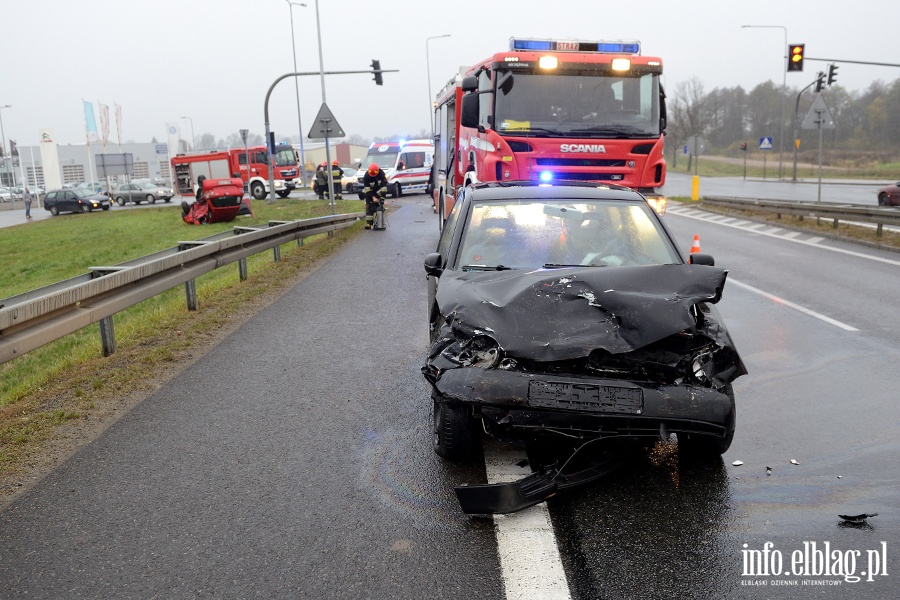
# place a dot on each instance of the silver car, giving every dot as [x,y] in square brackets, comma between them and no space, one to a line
[142,192]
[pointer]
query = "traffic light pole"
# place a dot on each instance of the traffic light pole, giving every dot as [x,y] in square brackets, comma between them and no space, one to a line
[266,113]
[796,124]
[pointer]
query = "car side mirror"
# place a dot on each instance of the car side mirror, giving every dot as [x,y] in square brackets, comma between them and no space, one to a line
[433,264]
[701,259]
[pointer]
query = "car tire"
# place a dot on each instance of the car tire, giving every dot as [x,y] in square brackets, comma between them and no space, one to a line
[454,430]
[151,198]
[85,208]
[120,201]
[54,211]
[706,448]
[105,208]
[167,200]
[257,190]
[396,192]
[882,200]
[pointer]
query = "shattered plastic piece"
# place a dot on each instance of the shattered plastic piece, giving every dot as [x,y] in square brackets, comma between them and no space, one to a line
[738,463]
[858,518]
[839,476]
[794,462]
[768,470]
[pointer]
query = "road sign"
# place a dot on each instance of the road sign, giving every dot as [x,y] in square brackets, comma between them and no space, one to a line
[696,145]
[765,143]
[818,115]
[325,125]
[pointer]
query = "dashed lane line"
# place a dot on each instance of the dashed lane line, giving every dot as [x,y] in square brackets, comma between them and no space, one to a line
[790,304]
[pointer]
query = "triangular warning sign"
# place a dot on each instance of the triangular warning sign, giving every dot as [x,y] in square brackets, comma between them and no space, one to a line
[765,143]
[325,125]
[818,116]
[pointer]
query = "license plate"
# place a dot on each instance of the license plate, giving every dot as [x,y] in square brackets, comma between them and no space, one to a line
[586,397]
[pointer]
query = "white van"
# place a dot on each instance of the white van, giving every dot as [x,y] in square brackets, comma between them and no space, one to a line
[406,164]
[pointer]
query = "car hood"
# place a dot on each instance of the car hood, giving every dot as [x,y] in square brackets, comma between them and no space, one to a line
[560,314]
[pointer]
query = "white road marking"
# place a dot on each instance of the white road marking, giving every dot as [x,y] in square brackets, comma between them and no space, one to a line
[814,240]
[792,234]
[790,304]
[788,238]
[529,557]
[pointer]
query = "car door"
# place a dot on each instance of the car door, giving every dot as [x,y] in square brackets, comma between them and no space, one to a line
[448,234]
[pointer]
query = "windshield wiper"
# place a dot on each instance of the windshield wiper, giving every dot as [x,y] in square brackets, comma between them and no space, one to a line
[623,131]
[564,266]
[487,268]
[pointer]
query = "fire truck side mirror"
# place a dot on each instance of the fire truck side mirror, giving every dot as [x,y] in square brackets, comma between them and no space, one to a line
[470,83]
[469,115]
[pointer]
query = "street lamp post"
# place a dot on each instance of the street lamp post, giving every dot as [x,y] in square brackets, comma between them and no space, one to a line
[193,140]
[297,90]
[783,90]
[428,69]
[3,147]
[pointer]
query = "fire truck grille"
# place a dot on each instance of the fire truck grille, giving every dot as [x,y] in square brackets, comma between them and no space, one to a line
[580,162]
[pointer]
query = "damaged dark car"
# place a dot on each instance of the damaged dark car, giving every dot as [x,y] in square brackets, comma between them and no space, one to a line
[566,311]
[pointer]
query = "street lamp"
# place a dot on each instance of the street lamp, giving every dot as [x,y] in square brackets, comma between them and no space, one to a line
[302,168]
[783,89]
[193,140]
[428,69]
[3,137]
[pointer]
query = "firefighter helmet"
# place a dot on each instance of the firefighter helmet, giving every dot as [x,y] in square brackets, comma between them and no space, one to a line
[335,163]
[373,169]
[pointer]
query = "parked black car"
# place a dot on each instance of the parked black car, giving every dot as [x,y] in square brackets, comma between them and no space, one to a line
[567,311]
[75,200]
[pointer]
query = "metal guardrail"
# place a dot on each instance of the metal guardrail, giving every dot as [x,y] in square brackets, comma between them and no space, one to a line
[880,216]
[38,317]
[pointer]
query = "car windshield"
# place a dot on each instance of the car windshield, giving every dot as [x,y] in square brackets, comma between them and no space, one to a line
[84,192]
[385,160]
[532,234]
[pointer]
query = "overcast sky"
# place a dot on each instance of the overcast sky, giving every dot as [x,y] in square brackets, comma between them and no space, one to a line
[214,60]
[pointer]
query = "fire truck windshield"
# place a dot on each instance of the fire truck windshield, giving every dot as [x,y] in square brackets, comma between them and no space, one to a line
[285,158]
[584,105]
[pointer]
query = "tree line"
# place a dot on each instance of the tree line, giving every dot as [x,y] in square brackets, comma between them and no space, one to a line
[867,122]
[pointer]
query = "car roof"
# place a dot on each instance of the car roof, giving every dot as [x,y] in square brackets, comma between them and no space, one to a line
[512,190]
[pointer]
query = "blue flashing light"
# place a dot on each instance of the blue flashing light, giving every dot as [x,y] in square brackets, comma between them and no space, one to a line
[541,45]
[546,176]
[402,143]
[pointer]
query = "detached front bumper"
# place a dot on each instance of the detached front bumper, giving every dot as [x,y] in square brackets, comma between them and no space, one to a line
[519,403]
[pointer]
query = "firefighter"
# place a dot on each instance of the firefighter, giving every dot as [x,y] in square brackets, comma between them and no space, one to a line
[336,173]
[321,185]
[373,181]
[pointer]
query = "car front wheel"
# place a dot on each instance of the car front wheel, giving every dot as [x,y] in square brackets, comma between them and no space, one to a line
[454,430]
[882,200]
[85,208]
[54,211]
[120,201]
[151,198]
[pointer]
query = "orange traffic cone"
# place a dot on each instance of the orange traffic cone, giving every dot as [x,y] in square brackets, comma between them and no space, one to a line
[696,246]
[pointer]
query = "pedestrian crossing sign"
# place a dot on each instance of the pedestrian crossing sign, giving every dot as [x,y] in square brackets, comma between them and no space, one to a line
[765,143]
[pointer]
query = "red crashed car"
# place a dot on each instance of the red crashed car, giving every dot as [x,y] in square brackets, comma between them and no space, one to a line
[890,195]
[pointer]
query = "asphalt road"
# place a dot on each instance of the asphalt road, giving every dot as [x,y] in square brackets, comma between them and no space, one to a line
[294,460]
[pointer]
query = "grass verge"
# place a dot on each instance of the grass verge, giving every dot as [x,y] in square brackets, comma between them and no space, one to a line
[62,394]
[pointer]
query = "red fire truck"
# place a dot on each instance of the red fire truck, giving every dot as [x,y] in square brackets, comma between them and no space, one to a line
[553,110]
[223,164]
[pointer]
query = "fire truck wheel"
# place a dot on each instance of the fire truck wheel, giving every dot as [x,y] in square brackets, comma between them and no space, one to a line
[284,194]
[258,190]
[151,199]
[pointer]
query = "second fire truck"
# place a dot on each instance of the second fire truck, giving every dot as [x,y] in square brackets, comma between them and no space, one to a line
[550,110]
[220,164]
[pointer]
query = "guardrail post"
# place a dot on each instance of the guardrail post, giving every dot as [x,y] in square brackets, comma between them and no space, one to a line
[835,226]
[190,290]
[276,252]
[242,269]
[878,230]
[107,336]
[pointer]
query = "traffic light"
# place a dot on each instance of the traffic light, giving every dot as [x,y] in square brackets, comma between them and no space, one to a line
[744,146]
[820,81]
[795,57]
[832,73]
[376,69]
